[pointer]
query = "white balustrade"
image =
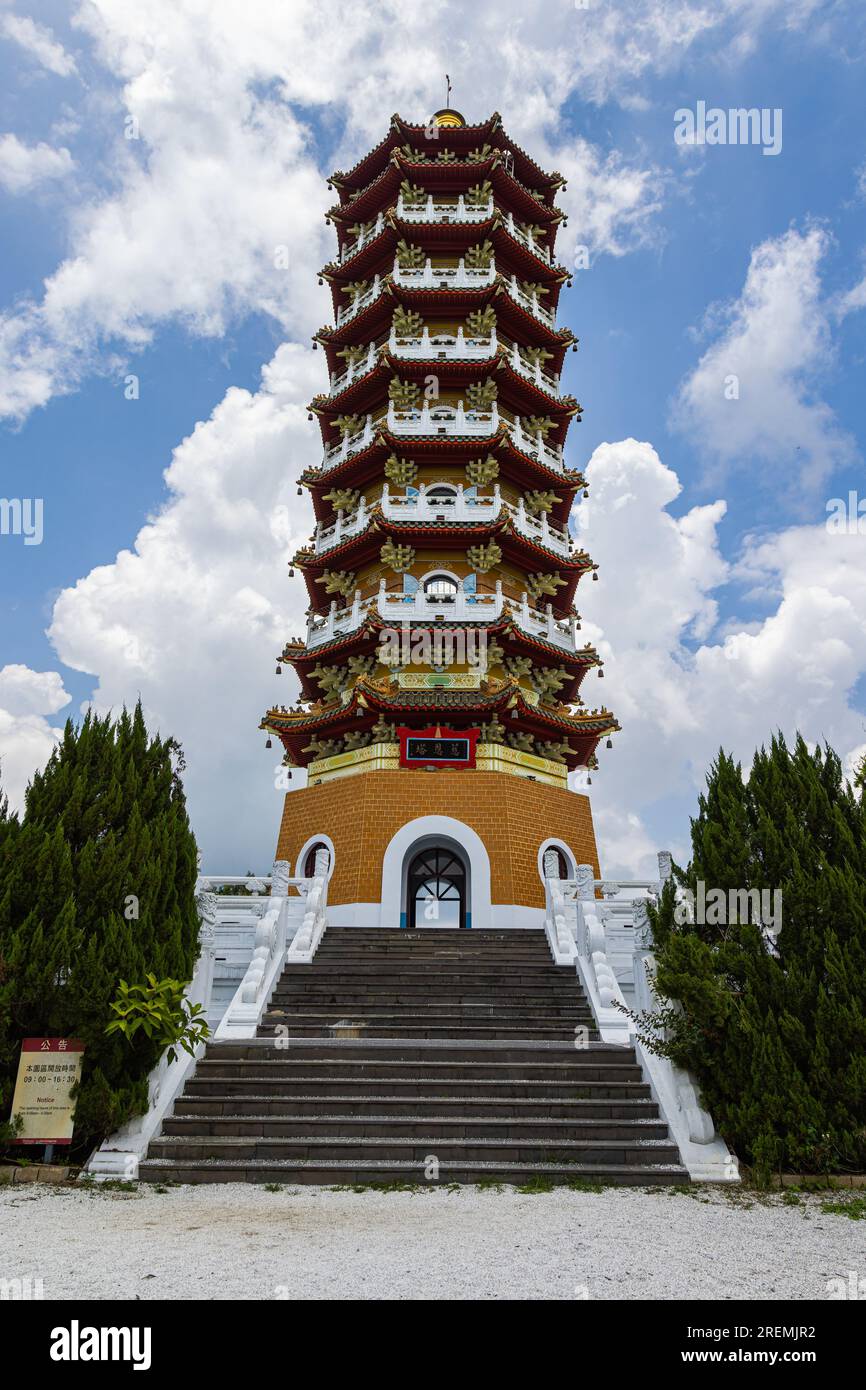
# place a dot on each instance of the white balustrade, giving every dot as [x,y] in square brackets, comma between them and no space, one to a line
[352,248]
[327,537]
[538,528]
[527,239]
[442,419]
[324,627]
[533,444]
[436,210]
[530,302]
[533,372]
[421,607]
[445,347]
[348,311]
[442,277]
[537,622]
[429,505]
[358,368]
[349,444]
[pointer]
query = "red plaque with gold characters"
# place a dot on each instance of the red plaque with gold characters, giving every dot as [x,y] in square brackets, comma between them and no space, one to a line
[438,747]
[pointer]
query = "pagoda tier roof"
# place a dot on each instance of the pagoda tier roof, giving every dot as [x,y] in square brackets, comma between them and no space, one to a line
[374,320]
[454,237]
[367,465]
[371,700]
[364,640]
[359,394]
[459,177]
[460,138]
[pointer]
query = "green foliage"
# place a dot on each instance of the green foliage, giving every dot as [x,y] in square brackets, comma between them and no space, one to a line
[97,882]
[159,1009]
[774,1028]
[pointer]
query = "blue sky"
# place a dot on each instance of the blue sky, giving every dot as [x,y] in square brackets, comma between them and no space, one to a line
[157,253]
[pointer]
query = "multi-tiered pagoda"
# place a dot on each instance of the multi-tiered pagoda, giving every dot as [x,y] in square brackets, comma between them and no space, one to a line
[440,706]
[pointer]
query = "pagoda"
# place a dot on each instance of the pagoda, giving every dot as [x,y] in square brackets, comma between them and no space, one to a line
[440,708]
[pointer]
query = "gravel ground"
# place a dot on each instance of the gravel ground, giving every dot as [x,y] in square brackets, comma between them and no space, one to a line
[244,1242]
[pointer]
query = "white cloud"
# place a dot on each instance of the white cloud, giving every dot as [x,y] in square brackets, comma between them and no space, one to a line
[39,42]
[26,737]
[194,615]
[225,168]
[771,345]
[23,167]
[682,688]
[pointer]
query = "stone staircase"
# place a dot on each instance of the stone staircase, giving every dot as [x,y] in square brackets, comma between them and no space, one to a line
[400,1054]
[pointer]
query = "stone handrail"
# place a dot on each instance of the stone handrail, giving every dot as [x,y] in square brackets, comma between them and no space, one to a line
[703,1151]
[118,1155]
[286,920]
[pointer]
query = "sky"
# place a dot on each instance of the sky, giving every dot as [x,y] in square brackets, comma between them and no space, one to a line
[155,364]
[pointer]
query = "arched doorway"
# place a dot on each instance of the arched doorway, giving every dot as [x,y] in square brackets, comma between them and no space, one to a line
[436,888]
[309,867]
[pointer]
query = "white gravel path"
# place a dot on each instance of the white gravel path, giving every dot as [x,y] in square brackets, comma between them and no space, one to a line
[243,1242]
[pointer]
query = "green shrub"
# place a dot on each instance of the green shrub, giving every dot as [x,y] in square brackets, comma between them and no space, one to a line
[97,884]
[775,1029]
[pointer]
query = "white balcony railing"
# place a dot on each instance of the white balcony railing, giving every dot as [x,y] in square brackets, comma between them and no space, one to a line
[436,210]
[327,537]
[529,301]
[349,311]
[442,277]
[420,607]
[533,372]
[460,607]
[428,504]
[533,444]
[442,419]
[527,239]
[352,248]
[359,368]
[447,420]
[538,622]
[349,444]
[443,347]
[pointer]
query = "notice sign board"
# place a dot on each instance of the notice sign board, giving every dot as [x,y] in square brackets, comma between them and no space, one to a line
[438,747]
[47,1070]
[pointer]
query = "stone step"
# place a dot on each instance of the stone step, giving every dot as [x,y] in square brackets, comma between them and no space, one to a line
[452,1029]
[386,1126]
[253,1104]
[312,986]
[410,1060]
[622,1089]
[391,977]
[346,1172]
[430,1011]
[433,938]
[418,1147]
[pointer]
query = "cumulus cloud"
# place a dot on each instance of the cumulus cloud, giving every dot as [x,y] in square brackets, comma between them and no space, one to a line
[23,167]
[680,686]
[225,168]
[752,396]
[26,736]
[39,42]
[192,617]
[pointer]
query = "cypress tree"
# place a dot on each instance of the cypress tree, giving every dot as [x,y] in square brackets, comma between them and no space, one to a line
[97,883]
[773,1022]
